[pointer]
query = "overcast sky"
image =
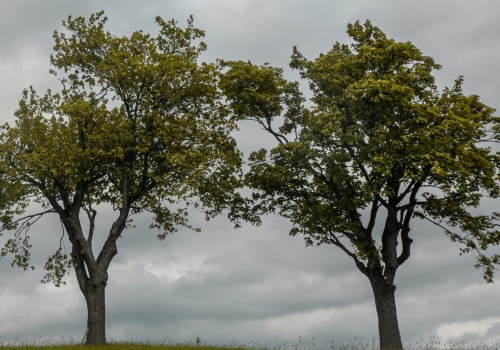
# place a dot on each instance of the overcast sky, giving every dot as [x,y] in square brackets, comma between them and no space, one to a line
[255,285]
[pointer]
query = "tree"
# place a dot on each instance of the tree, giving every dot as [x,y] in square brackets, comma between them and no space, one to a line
[138,126]
[378,148]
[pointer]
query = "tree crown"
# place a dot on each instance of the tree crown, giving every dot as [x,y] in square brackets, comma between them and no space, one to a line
[138,124]
[379,140]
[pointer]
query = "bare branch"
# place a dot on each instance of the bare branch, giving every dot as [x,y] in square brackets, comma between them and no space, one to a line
[91,214]
[25,221]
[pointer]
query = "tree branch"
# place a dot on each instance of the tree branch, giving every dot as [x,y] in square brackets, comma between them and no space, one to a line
[25,221]
[333,239]
[91,214]
[406,241]
[268,127]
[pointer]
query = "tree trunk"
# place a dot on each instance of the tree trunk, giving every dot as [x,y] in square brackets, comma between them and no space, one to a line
[96,314]
[385,303]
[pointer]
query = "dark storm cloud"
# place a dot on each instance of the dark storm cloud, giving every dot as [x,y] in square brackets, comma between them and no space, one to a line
[245,280]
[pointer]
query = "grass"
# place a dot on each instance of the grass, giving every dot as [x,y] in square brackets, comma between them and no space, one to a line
[117,346]
[356,344]
[124,346]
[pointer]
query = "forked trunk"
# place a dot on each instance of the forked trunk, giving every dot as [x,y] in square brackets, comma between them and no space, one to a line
[96,315]
[385,303]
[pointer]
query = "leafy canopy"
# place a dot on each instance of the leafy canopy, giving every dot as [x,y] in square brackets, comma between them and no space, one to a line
[378,146]
[138,125]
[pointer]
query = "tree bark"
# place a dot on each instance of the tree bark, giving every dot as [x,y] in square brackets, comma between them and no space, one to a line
[92,279]
[96,314]
[92,273]
[385,303]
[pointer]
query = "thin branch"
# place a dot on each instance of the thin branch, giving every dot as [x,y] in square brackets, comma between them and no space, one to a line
[359,264]
[410,205]
[268,127]
[91,214]
[25,221]
[407,190]
[373,215]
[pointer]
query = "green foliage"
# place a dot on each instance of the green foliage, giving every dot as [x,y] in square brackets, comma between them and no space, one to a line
[378,147]
[138,125]
[259,93]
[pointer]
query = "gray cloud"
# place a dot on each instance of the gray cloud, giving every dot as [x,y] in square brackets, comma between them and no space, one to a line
[255,284]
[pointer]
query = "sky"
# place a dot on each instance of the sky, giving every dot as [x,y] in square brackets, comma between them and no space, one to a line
[255,285]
